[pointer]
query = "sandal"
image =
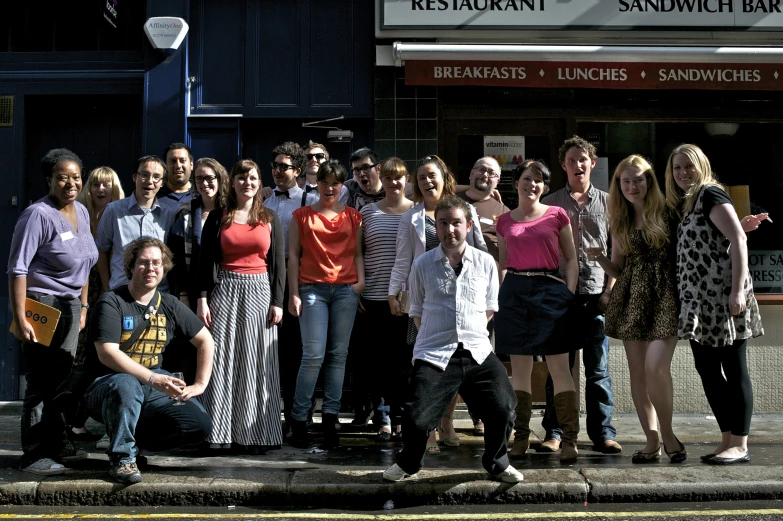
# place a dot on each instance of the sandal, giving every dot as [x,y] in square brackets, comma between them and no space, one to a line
[432,448]
[449,441]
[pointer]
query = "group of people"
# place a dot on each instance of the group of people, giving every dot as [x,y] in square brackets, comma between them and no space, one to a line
[274,286]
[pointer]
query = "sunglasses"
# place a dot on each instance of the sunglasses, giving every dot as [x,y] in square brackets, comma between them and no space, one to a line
[318,156]
[364,168]
[280,166]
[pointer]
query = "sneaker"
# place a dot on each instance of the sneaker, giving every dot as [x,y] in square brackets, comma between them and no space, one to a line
[125,472]
[103,443]
[395,473]
[45,467]
[510,475]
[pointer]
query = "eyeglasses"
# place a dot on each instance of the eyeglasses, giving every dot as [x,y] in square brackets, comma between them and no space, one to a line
[364,168]
[209,179]
[157,178]
[318,156]
[488,171]
[280,166]
[150,264]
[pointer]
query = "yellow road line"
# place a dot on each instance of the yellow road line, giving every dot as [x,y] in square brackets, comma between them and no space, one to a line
[401,517]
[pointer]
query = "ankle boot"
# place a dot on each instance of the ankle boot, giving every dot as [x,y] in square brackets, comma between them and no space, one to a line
[331,436]
[523,411]
[299,436]
[568,417]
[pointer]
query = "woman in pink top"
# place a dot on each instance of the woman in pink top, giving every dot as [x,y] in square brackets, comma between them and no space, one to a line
[242,271]
[534,301]
[326,277]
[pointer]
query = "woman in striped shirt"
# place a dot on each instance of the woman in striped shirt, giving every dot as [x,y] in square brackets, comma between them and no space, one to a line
[380,222]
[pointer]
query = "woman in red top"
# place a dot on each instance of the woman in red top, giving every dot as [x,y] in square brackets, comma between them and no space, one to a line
[242,273]
[325,280]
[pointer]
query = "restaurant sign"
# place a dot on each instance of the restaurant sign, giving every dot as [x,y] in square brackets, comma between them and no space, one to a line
[710,76]
[703,15]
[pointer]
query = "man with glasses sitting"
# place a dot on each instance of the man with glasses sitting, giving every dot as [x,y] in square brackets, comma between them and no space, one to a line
[365,187]
[142,405]
[138,215]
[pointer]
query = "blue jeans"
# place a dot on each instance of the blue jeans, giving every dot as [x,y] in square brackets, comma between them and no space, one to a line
[137,416]
[599,398]
[328,312]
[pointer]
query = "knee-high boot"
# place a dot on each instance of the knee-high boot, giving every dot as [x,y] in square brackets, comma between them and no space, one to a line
[568,417]
[523,411]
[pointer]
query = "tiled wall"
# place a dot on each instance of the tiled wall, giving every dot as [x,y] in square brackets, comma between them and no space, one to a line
[406,123]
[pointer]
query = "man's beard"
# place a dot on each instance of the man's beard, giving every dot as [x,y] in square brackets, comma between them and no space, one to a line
[487,188]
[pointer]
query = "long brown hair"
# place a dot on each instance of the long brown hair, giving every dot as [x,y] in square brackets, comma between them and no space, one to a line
[224,186]
[257,214]
[449,184]
[621,212]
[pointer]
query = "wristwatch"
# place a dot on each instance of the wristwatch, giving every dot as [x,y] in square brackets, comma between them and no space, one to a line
[85,306]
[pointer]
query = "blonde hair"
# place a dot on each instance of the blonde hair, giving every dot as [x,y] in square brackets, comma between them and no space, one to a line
[678,199]
[621,212]
[102,174]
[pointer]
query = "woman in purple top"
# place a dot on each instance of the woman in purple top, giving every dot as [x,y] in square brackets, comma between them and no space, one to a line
[52,252]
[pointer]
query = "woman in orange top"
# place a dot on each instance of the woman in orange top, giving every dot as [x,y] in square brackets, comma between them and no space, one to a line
[326,277]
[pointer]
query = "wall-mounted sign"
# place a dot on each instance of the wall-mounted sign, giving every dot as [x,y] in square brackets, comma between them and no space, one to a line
[766,268]
[166,32]
[704,15]
[110,12]
[509,151]
[724,76]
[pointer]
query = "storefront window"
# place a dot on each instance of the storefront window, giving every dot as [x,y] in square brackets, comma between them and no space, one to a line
[752,157]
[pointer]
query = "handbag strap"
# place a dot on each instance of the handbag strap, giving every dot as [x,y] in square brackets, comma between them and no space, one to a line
[141,327]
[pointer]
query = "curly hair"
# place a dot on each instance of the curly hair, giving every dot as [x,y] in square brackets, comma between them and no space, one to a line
[56,156]
[292,150]
[576,142]
[621,212]
[131,253]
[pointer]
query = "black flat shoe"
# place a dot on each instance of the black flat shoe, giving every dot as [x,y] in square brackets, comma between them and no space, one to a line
[715,460]
[646,457]
[677,456]
[706,457]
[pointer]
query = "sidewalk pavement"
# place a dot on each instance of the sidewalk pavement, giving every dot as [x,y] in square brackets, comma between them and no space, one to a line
[350,477]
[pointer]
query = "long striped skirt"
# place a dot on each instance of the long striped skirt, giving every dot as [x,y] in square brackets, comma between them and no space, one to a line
[243,396]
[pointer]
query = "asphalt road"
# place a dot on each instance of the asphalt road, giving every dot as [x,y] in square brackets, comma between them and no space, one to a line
[744,511]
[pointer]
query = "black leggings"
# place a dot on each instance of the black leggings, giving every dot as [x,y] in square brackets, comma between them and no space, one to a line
[731,397]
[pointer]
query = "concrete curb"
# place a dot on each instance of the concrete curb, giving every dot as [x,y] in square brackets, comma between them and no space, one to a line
[358,486]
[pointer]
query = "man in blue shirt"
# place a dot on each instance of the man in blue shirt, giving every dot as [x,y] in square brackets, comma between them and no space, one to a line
[138,215]
[454,290]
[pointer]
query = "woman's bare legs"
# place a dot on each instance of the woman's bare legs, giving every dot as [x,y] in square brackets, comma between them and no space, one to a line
[658,371]
[636,353]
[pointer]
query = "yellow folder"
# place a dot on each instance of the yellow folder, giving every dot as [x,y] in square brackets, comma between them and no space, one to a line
[43,318]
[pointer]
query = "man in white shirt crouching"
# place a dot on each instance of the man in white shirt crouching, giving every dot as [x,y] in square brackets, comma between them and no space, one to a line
[454,292]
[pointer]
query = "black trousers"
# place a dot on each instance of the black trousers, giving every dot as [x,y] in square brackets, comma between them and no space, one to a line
[730,396]
[289,352]
[484,387]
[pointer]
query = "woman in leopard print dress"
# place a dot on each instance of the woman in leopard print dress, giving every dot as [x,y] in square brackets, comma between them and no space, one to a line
[718,309]
[642,309]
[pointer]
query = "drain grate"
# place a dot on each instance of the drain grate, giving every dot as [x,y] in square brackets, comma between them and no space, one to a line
[6,111]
